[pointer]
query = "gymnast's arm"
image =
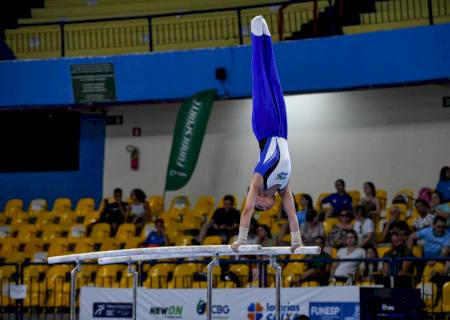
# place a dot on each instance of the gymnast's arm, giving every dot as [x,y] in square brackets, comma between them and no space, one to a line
[289,207]
[248,211]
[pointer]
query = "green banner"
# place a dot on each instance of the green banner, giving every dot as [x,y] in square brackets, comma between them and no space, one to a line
[188,137]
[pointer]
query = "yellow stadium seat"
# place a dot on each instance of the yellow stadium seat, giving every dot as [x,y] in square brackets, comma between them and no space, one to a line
[190,222]
[310,284]
[356,197]
[266,219]
[13,206]
[77,231]
[226,284]
[417,251]
[107,276]
[242,271]
[291,273]
[132,243]
[108,244]
[180,203]
[49,232]
[212,240]
[86,275]
[156,204]
[328,225]
[183,275]
[446,297]
[184,241]
[382,250]
[199,284]
[84,245]
[203,208]
[431,268]
[382,196]
[58,246]
[85,205]
[125,232]
[100,231]
[91,217]
[158,276]
[62,205]
[26,232]
[8,275]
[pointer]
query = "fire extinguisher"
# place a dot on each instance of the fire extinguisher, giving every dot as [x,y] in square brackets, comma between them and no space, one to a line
[134,152]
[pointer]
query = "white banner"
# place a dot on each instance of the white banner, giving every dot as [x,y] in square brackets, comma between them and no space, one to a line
[330,303]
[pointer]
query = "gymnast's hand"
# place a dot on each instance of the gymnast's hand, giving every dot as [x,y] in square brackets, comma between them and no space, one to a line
[235,246]
[294,247]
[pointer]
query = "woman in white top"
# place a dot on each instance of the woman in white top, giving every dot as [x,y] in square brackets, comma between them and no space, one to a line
[363,226]
[138,212]
[346,271]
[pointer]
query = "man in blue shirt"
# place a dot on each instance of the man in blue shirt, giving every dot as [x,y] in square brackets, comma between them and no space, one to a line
[337,202]
[158,237]
[437,239]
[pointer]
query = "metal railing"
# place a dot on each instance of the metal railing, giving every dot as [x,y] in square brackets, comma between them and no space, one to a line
[48,293]
[147,32]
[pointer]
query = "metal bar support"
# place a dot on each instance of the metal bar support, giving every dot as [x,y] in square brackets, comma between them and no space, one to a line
[73,290]
[274,264]
[132,269]
[214,262]
[241,36]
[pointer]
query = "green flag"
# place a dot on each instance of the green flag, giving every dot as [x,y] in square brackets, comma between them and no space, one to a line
[188,137]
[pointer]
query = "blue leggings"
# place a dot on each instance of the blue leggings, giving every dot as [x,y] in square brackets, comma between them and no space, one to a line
[269,109]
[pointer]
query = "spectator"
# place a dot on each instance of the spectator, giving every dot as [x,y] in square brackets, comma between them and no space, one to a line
[264,236]
[371,271]
[114,212]
[443,186]
[317,271]
[393,223]
[346,271]
[370,202]
[157,237]
[338,234]
[138,211]
[306,204]
[399,249]
[312,228]
[224,222]
[438,207]
[436,239]
[363,226]
[337,202]
[425,218]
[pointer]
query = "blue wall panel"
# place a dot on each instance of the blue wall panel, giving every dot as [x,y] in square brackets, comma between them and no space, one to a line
[87,182]
[333,63]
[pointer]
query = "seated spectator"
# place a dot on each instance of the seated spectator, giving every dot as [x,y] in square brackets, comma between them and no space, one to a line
[306,204]
[338,234]
[346,271]
[224,222]
[157,237]
[336,202]
[436,239]
[312,228]
[363,226]
[138,211]
[394,223]
[399,249]
[264,236]
[438,207]
[371,271]
[443,186]
[317,271]
[425,218]
[370,202]
[113,213]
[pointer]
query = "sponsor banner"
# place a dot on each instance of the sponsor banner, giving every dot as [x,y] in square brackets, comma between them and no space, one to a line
[228,304]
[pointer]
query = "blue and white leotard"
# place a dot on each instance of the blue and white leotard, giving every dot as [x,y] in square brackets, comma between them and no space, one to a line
[269,120]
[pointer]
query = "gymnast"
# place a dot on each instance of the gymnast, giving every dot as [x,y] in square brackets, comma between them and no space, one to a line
[269,124]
